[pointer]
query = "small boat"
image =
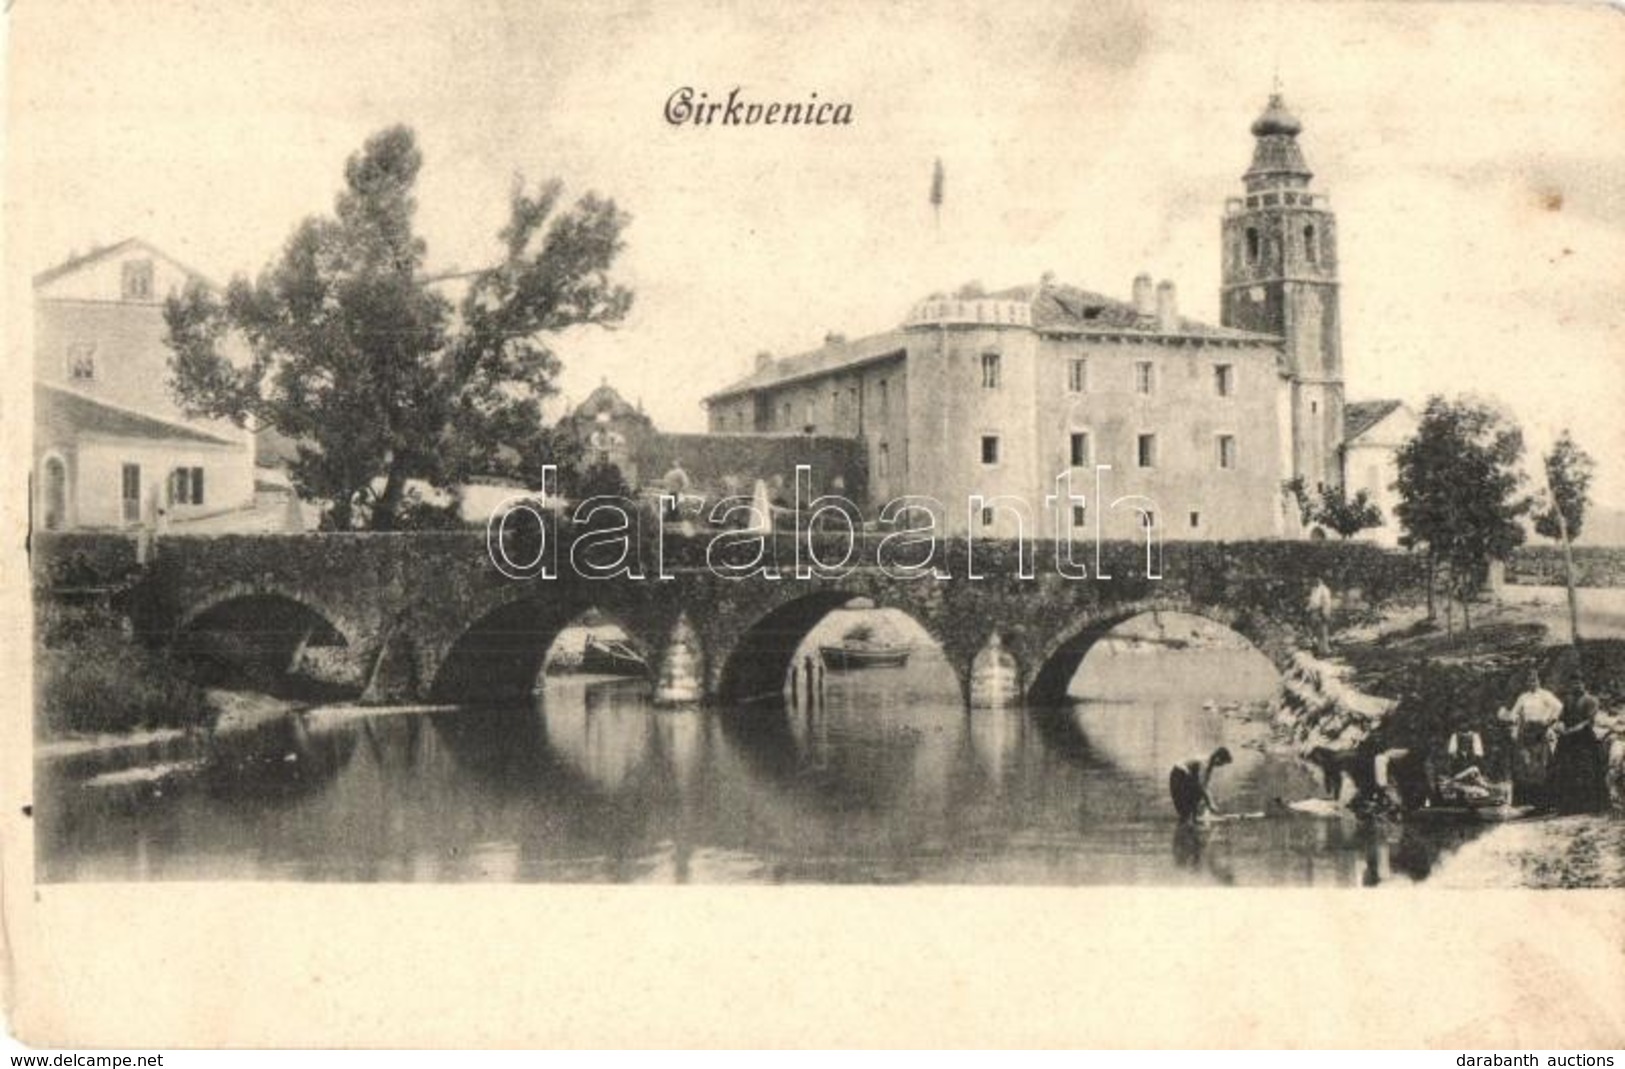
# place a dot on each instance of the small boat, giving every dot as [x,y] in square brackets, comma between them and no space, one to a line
[611,657]
[848,656]
[861,647]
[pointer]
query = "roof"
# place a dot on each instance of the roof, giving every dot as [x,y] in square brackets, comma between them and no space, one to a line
[832,356]
[606,399]
[1361,416]
[69,411]
[1058,308]
[1277,151]
[75,263]
[1055,309]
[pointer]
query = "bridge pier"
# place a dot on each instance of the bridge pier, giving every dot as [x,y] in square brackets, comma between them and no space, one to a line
[680,675]
[995,677]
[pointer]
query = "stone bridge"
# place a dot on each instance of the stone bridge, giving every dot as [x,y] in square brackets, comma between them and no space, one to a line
[428,616]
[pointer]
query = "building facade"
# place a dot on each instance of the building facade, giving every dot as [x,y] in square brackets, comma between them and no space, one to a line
[1376,430]
[111,446]
[982,401]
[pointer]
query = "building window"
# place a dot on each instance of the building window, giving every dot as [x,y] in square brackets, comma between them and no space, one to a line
[131,492]
[1224,379]
[82,361]
[1077,375]
[883,461]
[1146,451]
[1148,520]
[785,410]
[186,486]
[987,516]
[990,371]
[56,494]
[1227,451]
[1080,449]
[1144,376]
[138,280]
[1080,515]
[885,400]
[1310,252]
[1314,407]
[1252,245]
[990,449]
[1196,520]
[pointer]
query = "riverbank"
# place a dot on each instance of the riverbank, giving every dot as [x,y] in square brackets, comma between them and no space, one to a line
[1440,682]
[93,679]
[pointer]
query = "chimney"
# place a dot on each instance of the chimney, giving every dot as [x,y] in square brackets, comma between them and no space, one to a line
[834,338]
[1167,309]
[1144,303]
[764,360]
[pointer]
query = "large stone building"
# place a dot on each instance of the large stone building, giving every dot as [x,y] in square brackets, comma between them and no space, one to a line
[993,395]
[111,446]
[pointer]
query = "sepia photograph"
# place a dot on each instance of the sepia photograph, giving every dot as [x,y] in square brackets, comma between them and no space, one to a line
[1138,446]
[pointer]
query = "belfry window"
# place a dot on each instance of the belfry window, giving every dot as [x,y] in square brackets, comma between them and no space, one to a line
[990,371]
[1252,245]
[1310,252]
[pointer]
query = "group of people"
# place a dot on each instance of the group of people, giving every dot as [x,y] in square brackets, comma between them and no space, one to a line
[1557,760]
[1557,763]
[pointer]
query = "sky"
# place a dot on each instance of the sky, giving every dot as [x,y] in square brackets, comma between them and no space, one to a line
[1472,151]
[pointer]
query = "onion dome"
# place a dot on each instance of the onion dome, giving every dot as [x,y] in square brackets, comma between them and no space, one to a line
[1277,160]
[1276,120]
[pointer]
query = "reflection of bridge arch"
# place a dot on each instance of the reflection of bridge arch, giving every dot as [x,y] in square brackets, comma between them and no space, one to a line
[1059,658]
[754,665]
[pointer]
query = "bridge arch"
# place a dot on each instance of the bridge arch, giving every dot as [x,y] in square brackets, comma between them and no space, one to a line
[500,651]
[752,663]
[333,615]
[269,629]
[1058,658]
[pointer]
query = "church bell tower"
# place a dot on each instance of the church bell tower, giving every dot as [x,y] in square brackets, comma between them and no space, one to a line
[1280,277]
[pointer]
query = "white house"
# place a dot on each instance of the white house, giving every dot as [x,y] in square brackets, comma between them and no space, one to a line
[112,448]
[1373,433]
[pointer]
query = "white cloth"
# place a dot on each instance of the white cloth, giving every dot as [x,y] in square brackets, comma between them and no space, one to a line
[1538,706]
[1320,599]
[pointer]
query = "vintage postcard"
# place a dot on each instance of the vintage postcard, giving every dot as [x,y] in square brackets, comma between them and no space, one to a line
[914,507]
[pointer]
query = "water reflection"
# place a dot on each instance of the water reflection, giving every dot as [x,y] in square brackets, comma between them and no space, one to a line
[878,782]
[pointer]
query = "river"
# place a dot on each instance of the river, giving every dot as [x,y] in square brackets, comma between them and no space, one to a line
[886,780]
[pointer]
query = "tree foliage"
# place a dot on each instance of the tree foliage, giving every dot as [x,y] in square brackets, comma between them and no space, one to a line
[1332,508]
[377,375]
[1569,470]
[1348,516]
[1460,489]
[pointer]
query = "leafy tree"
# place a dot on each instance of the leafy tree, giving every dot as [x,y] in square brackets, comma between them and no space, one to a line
[1298,490]
[603,478]
[1332,508]
[1568,470]
[1348,516]
[355,354]
[1460,491]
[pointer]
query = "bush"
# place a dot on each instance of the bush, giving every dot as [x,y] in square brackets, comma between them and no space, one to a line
[94,678]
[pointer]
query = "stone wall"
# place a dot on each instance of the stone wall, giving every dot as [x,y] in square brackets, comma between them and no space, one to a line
[716,461]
